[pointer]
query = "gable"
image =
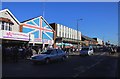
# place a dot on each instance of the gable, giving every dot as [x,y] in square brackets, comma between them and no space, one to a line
[7,14]
[39,27]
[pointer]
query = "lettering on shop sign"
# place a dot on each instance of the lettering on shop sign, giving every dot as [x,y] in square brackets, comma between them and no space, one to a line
[38,40]
[9,34]
[15,36]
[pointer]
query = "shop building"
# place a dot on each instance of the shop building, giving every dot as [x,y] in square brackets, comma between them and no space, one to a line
[87,41]
[10,37]
[40,32]
[8,21]
[99,41]
[66,37]
[9,30]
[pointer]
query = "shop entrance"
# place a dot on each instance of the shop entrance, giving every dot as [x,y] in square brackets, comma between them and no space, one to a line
[10,49]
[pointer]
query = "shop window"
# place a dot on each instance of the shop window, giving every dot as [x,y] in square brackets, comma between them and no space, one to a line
[0,25]
[2,28]
[62,33]
[10,28]
[5,26]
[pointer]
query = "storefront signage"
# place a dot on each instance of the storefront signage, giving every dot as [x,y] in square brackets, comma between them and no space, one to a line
[38,40]
[15,35]
[44,41]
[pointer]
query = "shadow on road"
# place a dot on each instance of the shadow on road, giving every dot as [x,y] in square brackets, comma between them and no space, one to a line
[99,65]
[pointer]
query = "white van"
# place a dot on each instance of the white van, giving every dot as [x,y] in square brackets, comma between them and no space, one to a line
[86,51]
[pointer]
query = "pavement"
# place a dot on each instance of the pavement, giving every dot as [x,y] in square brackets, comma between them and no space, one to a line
[74,53]
[78,53]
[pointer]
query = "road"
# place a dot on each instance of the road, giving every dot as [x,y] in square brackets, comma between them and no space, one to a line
[99,65]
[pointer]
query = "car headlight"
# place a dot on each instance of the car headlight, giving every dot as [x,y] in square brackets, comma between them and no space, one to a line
[33,57]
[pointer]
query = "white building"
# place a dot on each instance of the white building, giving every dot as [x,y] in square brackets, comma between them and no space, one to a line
[66,32]
[99,41]
[10,30]
[8,21]
[65,35]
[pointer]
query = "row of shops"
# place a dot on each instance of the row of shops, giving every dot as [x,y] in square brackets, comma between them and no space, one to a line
[32,32]
[37,32]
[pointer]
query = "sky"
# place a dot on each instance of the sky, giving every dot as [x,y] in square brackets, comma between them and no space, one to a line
[100,19]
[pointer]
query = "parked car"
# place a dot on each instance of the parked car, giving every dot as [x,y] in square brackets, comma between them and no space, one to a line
[49,55]
[86,51]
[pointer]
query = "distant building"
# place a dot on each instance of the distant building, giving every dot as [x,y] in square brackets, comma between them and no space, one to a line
[99,41]
[87,41]
[66,37]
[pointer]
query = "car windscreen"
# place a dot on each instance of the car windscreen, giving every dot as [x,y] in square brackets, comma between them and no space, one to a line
[46,51]
[85,48]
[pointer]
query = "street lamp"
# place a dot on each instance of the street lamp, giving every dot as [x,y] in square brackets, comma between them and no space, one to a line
[77,34]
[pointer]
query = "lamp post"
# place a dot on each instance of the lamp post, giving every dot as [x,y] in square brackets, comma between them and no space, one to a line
[78,34]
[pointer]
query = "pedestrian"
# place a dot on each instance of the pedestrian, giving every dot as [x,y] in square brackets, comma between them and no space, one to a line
[3,54]
[73,50]
[23,52]
[15,54]
[109,50]
[39,51]
[33,51]
[29,53]
[20,51]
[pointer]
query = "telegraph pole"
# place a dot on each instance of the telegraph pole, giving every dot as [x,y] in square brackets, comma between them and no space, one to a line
[43,6]
[78,34]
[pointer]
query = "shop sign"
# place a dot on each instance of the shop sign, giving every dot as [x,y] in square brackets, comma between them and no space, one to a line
[15,35]
[38,40]
[45,41]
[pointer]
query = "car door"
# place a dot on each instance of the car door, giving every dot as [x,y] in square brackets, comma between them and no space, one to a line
[53,55]
[60,53]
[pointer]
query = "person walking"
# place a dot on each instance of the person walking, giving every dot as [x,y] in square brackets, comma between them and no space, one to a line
[39,51]
[15,54]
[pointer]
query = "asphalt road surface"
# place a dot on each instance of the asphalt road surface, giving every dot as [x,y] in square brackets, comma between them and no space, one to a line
[99,65]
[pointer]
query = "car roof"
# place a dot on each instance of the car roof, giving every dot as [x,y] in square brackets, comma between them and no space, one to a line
[87,47]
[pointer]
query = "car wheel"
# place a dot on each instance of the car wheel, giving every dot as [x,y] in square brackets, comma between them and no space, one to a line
[47,60]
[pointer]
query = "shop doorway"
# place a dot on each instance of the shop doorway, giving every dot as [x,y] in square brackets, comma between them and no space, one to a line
[8,49]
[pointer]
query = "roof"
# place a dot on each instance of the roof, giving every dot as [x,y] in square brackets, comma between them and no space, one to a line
[37,17]
[29,19]
[6,10]
[88,38]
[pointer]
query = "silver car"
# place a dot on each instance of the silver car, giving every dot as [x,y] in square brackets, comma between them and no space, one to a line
[86,51]
[49,55]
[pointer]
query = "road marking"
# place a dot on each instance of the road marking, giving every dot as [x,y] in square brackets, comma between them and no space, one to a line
[100,53]
[95,64]
[103,53]
[82,69]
